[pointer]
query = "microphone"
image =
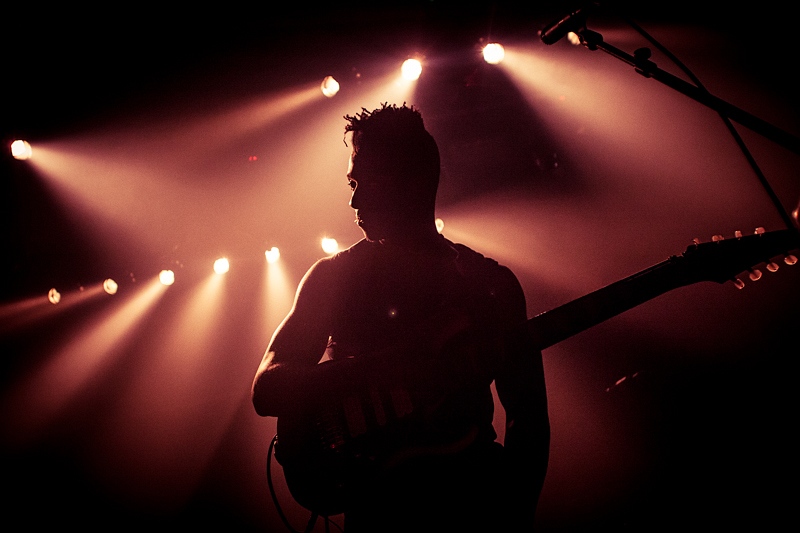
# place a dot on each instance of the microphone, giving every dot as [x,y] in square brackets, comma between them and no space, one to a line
[554,31]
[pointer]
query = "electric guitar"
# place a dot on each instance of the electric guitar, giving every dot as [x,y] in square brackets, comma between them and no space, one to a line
[325,454]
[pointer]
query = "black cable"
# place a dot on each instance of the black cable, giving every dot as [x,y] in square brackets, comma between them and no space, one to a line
[312,519]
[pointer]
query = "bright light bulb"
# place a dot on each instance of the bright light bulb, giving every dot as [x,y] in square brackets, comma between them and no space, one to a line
[21,150]
[110,286]
[221,265]
[439,225]
[330,86]
[166,277]
[330,246]
[273,254]
[493,53]
[54,296]
[411,69]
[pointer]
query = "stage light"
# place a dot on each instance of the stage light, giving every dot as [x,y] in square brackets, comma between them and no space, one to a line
[273,254]
[493,53]
[166,277]
[21,150]
[54,296]
[330,86]
[221,265]
[110,286]
[439,225]
[330,246]
[411,69]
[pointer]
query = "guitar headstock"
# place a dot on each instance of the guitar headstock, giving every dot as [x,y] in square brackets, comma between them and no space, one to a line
[723,259]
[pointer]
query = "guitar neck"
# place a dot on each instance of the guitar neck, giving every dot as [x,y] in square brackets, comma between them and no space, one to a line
[551,327]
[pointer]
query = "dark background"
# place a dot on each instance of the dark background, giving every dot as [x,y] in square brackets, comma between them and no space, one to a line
[588,174]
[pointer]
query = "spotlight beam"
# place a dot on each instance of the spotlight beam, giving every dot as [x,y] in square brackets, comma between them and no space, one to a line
[640,60]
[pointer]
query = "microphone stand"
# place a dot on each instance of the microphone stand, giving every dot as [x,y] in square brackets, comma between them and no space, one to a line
[640,60]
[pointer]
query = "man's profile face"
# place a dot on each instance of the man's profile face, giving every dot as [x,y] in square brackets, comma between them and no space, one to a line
[377,196]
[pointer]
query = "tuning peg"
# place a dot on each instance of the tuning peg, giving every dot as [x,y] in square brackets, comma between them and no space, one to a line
[717,238]
[790,259]
[755,274]
[739,284]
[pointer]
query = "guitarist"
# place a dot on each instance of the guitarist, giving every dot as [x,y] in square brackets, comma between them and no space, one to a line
[406,331]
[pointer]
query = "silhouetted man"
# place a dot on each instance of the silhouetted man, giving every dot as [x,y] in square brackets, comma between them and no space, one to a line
[381,373]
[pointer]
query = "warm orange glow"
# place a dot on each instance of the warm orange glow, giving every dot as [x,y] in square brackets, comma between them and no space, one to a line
[110,286]
[146,393]
[126,177]
[221,265]
[278,296]
[493,53]
[27,311]
[411,69]
[37,400]
[38,308]
[273,254]
[330,86]
[627,129]
[16,311]
[166,277]
[329,246]
[21,150]
[53,296]
[164,403]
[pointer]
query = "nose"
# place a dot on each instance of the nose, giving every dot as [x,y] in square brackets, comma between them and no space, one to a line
[355,198]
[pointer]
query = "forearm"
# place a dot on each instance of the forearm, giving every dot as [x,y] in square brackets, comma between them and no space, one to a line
[527,445]
[275,388]
[283,388]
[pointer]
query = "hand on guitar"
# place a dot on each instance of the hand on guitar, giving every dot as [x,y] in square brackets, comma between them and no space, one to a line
[366,413]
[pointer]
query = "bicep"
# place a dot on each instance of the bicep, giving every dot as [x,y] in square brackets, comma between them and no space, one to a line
[297,345]
[303,334]
[520,380]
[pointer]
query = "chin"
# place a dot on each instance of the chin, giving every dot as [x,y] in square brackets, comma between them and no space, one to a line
[370,235]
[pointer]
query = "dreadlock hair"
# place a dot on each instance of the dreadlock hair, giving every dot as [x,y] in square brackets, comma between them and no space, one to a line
[398,136]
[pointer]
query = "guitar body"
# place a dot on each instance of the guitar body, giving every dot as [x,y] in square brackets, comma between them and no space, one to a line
[330,453]
[367,414]
[318,473]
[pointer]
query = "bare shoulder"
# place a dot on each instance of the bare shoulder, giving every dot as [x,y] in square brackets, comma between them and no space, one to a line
[497,279]
[320,287]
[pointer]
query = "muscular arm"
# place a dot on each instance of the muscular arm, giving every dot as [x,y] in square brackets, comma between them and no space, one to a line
[296,346]
[521,389]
